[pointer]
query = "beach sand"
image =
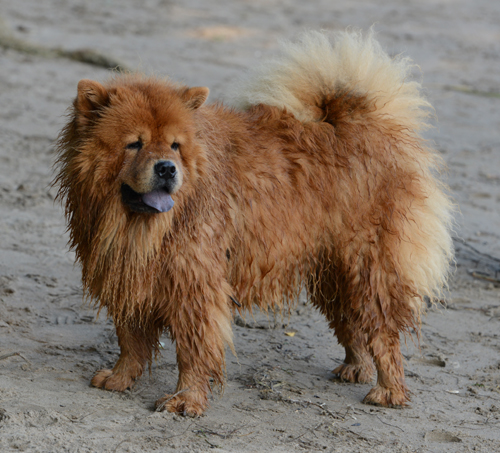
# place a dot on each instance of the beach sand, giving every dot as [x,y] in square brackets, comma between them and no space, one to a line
[280,395]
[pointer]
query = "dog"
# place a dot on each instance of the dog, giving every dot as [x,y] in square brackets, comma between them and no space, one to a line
[182,213]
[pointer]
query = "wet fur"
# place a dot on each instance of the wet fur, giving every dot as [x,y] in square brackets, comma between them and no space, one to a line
[319,179]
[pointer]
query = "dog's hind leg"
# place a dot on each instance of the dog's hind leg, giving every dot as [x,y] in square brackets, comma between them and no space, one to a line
[358,364]
[136,347]
[378,304]
[369,339]
[391,389]
[367,320]
[326,294]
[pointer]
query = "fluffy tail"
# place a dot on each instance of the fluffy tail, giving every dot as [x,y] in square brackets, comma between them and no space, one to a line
[319,65]
[308,79]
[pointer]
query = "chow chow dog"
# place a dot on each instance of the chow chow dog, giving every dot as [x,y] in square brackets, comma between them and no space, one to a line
[182,213]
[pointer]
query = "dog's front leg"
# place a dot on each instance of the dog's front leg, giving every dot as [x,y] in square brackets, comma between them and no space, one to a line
[137,343]
[201,326]
[191,395]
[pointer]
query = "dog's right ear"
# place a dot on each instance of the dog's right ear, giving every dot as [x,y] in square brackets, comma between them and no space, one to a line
[91,98]
[195,97]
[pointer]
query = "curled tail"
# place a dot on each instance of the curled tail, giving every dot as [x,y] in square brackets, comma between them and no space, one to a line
[320,66]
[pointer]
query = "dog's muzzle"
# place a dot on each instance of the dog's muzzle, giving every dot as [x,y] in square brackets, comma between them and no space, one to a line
[165,181]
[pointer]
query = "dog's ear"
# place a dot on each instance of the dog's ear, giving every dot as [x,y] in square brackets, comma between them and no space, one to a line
[91,98]
[195,97]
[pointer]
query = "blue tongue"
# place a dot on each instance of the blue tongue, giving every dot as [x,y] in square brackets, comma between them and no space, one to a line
[158,199]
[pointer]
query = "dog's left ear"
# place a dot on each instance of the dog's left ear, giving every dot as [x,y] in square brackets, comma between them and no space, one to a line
[195,97]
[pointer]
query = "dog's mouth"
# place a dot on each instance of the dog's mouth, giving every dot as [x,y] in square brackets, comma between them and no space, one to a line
[158,200]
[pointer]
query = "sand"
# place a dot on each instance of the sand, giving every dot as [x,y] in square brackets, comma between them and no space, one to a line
[280,395]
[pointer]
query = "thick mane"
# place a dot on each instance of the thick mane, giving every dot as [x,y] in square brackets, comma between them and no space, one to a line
[109,241]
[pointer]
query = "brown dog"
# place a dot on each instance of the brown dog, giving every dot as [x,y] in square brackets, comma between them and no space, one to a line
[177,210]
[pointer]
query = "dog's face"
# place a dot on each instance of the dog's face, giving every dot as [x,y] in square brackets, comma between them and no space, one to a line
[139,139]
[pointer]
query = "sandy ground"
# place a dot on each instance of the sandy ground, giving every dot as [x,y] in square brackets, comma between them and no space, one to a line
[280,394]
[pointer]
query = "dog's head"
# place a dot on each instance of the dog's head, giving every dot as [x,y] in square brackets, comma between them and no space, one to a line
[137,139]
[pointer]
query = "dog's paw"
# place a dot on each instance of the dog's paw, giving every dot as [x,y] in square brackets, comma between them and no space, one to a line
[387,397]
[181,404]
[362,374]
[106,379]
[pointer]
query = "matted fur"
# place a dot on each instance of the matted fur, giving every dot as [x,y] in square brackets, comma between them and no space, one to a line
[321,179]
[346,63]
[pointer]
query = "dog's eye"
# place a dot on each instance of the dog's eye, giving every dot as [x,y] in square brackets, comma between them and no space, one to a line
[175,146]
[135,145]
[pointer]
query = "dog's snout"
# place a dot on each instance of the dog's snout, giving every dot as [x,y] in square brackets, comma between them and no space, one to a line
[165,169]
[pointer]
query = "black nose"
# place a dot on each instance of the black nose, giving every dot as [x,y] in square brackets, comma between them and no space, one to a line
[165,169]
